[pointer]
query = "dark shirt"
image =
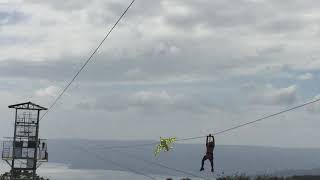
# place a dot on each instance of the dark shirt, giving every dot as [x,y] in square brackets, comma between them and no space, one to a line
[210,147]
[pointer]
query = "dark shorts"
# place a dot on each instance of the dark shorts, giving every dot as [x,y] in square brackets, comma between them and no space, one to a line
[209,156]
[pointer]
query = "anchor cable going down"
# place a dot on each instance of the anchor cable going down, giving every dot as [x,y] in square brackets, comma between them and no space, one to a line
[139,158]
[104,159]
[87,61]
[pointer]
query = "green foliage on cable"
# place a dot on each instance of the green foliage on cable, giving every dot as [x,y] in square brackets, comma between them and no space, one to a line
[164,145]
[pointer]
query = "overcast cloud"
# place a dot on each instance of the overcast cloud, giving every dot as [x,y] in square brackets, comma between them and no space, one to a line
[171,68]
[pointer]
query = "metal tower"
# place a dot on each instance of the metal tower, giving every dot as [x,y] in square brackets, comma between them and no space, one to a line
[25,151]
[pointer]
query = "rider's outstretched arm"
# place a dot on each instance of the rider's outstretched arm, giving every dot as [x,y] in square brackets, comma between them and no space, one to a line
[207,141]
[214,143]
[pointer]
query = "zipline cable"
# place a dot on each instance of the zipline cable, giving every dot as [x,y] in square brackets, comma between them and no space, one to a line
[226,130]
[87,61]
[257,120]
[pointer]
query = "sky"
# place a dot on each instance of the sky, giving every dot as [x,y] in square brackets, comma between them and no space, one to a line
[178,68]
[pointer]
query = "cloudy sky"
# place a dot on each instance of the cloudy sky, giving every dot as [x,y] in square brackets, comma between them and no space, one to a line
[171,68]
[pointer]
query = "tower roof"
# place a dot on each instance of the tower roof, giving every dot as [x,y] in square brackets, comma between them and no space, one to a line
[27,105]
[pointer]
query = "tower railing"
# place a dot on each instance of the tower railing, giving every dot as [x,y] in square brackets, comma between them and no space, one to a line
[23,150]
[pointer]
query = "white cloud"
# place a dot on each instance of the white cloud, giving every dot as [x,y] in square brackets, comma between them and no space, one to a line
[50,91]
[10,1]
[306,76]
[142,100]
[152,96]
[315,107]
[276,96]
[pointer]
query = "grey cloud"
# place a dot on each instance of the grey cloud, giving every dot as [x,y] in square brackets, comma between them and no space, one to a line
[285,25]
[147,67]
[256,16]
[105,12]
[271,50]
[214,56]
[65,5]
[295,6]
[47,70]
[164,61]
[12,17]
[156,101]
[216,14]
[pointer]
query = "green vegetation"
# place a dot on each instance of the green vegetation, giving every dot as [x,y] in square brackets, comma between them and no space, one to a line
[304,178]
[243,177]
[7,176]
[236,177]
[164,145]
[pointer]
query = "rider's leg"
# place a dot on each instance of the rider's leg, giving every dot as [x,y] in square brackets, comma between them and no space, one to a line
[211,162]
[202,163]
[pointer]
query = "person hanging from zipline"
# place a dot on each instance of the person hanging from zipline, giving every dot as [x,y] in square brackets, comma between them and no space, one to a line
[210,144]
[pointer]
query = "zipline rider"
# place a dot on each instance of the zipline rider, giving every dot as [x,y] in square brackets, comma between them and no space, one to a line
[210,144]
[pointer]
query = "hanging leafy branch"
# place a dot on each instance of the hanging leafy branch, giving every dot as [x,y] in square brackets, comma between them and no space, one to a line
[164,145]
